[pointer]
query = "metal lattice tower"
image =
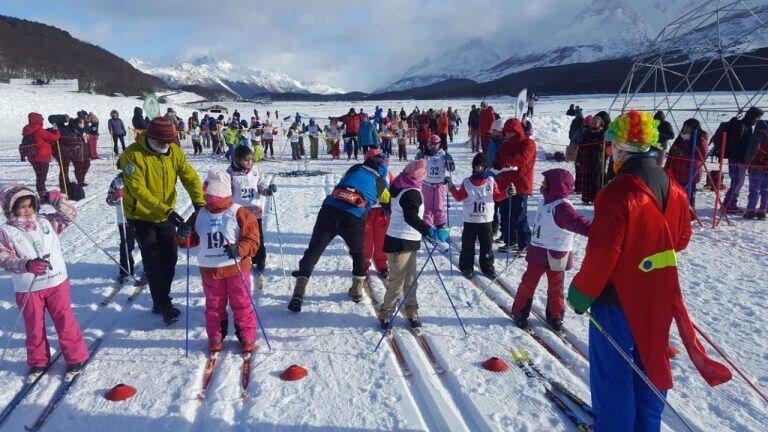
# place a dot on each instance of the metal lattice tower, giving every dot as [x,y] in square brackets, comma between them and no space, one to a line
[712,61]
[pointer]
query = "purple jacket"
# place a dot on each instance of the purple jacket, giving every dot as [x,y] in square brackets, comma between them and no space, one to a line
[560,184]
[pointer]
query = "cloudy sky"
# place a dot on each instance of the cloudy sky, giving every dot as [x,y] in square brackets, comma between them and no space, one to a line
[354,45]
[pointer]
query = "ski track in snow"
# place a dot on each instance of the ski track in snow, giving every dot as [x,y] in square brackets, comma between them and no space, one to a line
[349,387]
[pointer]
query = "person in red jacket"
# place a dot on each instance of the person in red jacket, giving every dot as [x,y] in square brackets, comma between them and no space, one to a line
[39,155]
[679,159]
[486,119]
[442,130]
[514,163]
[351,122]
[629,279]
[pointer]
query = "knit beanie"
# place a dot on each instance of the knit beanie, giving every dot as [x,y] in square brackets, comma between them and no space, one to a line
[162,130]
[218,184]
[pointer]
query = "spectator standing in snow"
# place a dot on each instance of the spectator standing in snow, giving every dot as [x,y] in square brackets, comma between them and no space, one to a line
[92,134]
[739,135]
[757,161]
[367,135]
[666,133]
[139,122]
[590,157]
[116,130]
[679,161]
[486,118]
[451,123]
[40,148]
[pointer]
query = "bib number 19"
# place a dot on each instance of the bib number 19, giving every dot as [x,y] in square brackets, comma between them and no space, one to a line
[215,240]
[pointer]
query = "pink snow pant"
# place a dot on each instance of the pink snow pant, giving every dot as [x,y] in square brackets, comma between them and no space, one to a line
[434,203]
[375,230]
[219,292]
[57,302]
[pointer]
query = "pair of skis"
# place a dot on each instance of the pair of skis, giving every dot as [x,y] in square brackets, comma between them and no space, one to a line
[210,368]
[417,333]
[138,288]
[69,380]
[551,386]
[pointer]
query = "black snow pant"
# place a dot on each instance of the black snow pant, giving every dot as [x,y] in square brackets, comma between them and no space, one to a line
[472,233]
[260,259]
[332,221]
[158,247]
[127,243]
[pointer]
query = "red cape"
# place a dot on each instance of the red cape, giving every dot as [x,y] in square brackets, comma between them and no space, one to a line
[628,228]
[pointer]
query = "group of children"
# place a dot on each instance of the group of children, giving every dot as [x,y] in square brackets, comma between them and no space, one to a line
[228,234]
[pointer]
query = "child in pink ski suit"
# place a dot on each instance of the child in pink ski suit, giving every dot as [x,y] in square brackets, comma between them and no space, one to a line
[30,251]
[433,187]
[225,232]
[550,250]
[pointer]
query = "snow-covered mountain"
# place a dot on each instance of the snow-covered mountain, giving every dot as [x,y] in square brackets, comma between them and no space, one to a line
[604,29]
[458,62]
[241,81]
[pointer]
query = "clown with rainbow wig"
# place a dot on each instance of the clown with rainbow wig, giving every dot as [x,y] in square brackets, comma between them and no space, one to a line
[629,282]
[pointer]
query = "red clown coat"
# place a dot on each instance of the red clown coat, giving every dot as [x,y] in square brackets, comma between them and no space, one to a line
[632,247]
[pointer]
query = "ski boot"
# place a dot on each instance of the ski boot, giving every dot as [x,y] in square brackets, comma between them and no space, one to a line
[414,321]
[170,314]
[384,274]
[298,294]
[521,322]
[215,346]
[75,367]
[508,248]
[35,370]
[490,273]
[385,323]
[556,324]
[247,347]
[469,274]
[355,292]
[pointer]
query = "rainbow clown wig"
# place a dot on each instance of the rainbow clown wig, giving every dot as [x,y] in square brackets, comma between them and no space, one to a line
[634,132]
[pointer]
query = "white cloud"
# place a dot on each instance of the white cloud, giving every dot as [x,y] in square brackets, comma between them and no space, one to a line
[355,45]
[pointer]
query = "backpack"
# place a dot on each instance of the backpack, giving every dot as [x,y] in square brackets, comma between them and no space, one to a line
[717,138]
[27,148]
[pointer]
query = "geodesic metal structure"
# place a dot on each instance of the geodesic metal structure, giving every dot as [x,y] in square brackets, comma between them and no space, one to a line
[711,63]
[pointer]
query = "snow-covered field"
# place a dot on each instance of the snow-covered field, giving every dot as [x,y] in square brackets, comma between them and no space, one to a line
[349,387]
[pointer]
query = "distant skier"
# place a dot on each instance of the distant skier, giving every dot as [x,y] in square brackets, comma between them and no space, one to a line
[31,253]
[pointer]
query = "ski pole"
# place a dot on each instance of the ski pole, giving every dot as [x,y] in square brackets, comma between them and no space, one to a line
[280,241]
[493,281]
[18,318]
[408,293]
[448,221]
[186,315]
[722,354]
[77,225]
[253,305]
[637,370]
[440,278]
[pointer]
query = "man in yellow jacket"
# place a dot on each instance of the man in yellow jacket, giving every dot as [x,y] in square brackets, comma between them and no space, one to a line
[151,166]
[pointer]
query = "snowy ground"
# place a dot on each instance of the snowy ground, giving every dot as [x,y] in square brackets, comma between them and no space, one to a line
[349,387]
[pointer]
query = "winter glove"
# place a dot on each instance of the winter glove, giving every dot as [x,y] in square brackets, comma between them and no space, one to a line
[231,250]
[175,219]
[579,301]
[450,166]
[440,235]
[511,190]
[183,231]
[37,266]
[271,190]
[198,206]
[53,198]
[449,183]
